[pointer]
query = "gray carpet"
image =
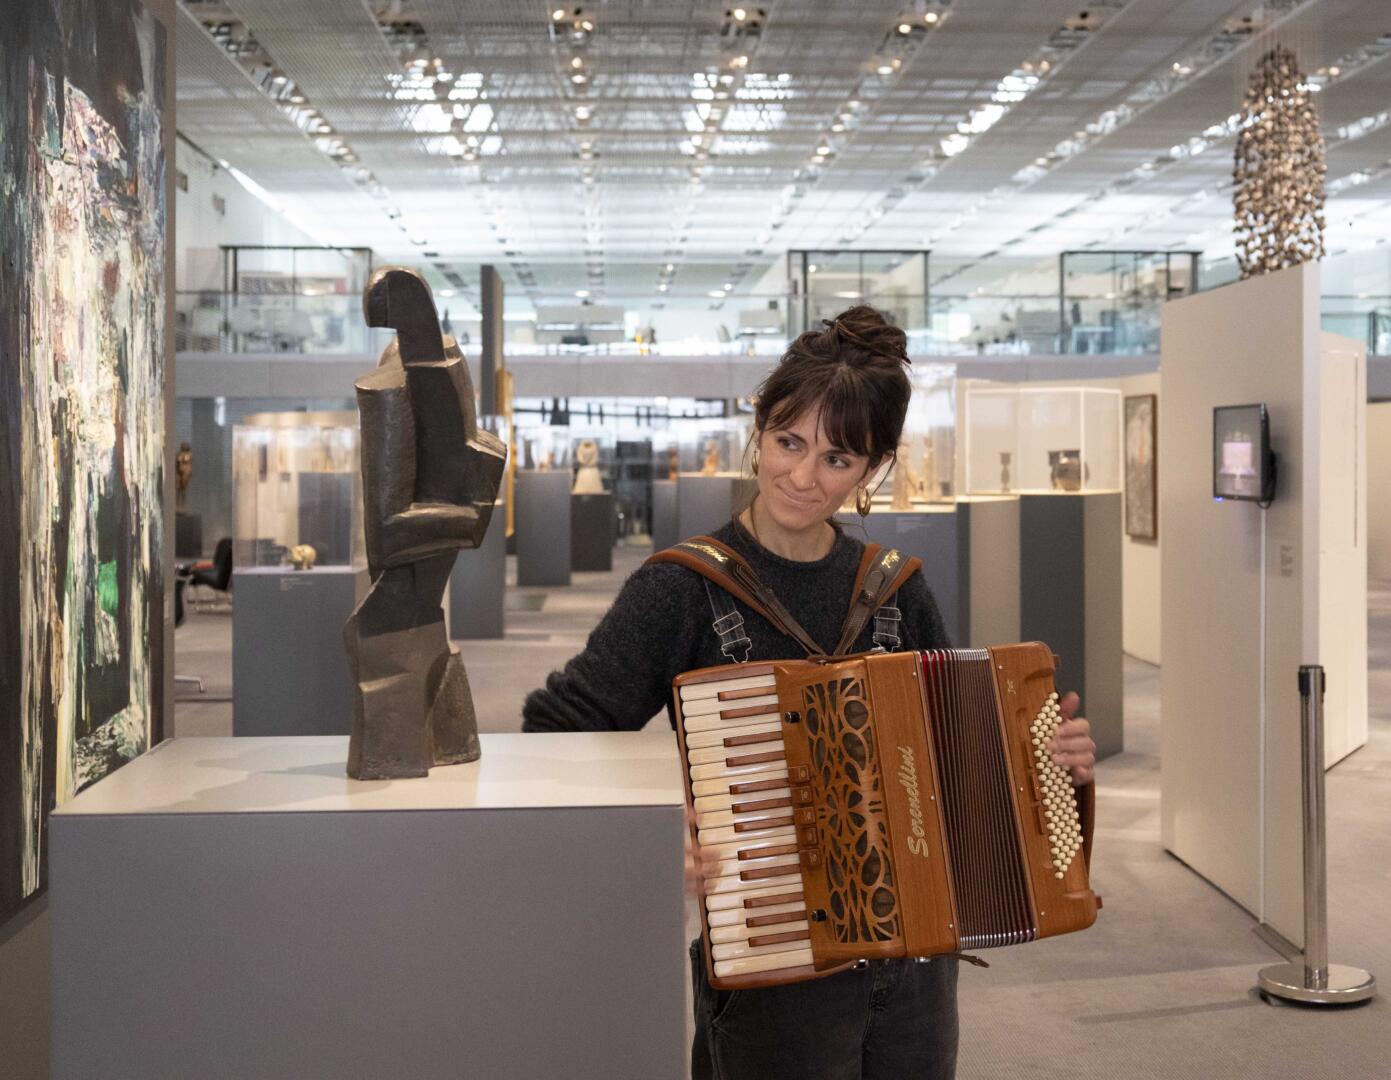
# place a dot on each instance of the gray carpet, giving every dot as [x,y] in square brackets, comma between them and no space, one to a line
[1161,987]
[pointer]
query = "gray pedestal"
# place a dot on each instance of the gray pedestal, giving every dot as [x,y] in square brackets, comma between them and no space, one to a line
[1070,597]
[543,527]
[188,535]
[474,599]
[593,530]
[705,503]
[289,670]
[238,908]
[664,515]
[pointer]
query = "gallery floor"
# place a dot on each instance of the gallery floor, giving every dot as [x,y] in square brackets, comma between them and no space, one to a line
[1160,988]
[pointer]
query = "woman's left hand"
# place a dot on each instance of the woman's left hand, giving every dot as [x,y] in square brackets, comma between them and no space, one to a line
[1072,746]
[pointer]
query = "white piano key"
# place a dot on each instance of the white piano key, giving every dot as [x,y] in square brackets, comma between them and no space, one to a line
[714,705]
[697,691]
[737,885]
[732,950]
[720,818]
[708,755]
[706,803]
[734,899]
[726,834]
[720,785]
[752,965]
[741,915]
[768,838]
[734,867]
[721,771]
[715,720]
[724,935]
[696,740]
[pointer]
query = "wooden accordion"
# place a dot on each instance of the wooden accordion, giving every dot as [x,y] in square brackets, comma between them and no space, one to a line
[880,805]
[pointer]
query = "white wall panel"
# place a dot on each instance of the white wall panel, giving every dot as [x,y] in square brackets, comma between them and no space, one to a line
[1248,595]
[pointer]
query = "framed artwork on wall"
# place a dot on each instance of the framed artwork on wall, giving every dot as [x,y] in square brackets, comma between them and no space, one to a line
[82,399]
[1141,467]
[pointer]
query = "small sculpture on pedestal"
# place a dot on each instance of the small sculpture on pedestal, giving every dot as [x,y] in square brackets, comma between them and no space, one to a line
[303,556]
[588,479]
[712,459]
[183,473]
[429,480]
[673,462]
[1005,457]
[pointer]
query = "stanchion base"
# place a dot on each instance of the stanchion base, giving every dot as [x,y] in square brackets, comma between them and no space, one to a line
[1346,985]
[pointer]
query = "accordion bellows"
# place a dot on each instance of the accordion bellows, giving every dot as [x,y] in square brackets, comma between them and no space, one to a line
[882,805]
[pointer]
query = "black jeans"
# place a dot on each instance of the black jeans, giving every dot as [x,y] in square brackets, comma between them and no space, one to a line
[892,1020]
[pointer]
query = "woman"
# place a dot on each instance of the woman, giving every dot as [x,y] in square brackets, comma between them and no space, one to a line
[830,414]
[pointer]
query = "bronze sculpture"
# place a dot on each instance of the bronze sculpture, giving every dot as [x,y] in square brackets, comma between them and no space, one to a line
[429,478]
[183,473]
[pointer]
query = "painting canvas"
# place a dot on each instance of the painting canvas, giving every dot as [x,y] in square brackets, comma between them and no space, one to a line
[1141,474]
[82,373]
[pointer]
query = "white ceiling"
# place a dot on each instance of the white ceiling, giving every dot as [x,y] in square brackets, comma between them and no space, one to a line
[1115,98]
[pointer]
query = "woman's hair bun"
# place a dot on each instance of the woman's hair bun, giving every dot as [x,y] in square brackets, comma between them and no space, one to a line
[864,329]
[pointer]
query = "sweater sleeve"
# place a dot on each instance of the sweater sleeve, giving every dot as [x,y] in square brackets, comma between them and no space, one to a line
[623,677]
[922,622]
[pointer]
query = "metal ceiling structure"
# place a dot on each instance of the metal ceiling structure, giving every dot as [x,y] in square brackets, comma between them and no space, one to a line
[678,147]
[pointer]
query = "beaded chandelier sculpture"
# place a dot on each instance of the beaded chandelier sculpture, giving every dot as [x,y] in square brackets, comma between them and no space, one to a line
[1279,170]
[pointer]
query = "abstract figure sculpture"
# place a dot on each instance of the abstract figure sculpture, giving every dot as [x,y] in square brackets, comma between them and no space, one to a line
[303,556]
[429,479]
[1279,169]
[183,473]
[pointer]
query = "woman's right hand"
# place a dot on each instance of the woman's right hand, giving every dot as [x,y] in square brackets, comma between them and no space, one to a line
[698,862]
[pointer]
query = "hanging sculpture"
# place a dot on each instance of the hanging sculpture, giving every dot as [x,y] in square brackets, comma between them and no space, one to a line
[1279,170]
[430,476]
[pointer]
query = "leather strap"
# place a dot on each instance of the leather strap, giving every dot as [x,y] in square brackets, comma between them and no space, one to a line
[882,573]
[729,570]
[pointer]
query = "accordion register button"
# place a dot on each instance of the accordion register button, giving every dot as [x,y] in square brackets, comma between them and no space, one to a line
[807,835]
[806,815]
[811,859]
[801,795]
[799,774]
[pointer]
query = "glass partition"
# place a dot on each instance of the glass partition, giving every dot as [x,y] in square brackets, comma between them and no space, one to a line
[827,282]
[1109,301]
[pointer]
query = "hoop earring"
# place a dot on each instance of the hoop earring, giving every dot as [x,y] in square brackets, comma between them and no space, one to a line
[862,501]
[753,461]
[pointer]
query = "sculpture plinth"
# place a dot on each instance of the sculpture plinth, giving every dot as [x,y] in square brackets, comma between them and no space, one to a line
[430,477]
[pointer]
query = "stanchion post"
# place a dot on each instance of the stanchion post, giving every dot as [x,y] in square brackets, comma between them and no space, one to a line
[1314,981]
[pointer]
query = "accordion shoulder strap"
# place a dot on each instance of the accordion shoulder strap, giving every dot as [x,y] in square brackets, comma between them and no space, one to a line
[882,573]
[728,569]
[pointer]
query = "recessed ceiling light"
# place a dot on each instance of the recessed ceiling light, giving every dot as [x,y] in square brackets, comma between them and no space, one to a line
[931,17]
[904,28]
[558,14]
[581,294]
[577,63]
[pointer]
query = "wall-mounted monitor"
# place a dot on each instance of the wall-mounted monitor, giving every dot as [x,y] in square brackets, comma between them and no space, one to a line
[1243,466]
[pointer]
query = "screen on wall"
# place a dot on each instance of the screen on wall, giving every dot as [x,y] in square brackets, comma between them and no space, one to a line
[82,391]
[1241,466]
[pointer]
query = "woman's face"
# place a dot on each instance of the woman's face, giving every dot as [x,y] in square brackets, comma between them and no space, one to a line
[803,478]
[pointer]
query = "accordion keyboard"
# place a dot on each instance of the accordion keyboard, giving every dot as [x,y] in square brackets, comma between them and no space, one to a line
[745,817]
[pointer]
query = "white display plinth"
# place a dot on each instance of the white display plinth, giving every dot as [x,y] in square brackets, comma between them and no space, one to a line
[239,907]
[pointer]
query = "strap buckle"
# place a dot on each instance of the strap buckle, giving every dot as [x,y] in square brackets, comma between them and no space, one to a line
[886,621]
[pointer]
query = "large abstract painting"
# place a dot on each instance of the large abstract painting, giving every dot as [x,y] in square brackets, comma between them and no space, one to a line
[1141,467]
[82,372]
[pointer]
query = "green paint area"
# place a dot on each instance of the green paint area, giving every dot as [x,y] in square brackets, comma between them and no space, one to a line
[108,589]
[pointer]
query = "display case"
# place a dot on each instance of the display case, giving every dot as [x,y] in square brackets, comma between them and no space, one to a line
[924,470]
[296,481]
[1033,439]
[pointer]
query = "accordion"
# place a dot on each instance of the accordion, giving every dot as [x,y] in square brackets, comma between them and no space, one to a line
[879,805]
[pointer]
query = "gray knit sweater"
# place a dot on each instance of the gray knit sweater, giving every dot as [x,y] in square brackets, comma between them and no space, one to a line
[659,626]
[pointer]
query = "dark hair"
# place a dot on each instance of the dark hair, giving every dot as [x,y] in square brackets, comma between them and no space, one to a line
[852,373]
